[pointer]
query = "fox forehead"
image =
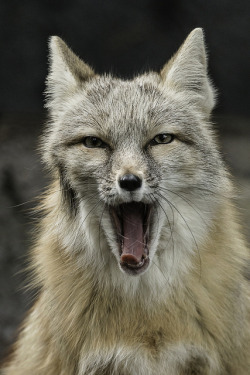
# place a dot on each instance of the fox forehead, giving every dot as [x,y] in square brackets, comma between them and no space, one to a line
[120,109]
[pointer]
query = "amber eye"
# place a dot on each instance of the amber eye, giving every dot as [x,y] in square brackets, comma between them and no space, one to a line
[93,142]
[162,139]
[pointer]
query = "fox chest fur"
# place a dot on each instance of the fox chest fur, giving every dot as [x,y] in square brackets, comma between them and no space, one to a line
[139,259]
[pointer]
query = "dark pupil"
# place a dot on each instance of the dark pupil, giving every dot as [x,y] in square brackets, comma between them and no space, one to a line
[95,141]
[163,137]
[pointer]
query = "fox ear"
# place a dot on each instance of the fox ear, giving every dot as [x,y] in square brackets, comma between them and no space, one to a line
[66,74]
[187,72]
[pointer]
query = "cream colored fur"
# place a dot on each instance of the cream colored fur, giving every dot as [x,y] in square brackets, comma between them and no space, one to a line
[188,313]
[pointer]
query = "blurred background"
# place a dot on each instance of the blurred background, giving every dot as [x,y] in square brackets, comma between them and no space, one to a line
[125,37]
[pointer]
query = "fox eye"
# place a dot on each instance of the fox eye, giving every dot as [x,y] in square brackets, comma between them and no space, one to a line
[162,139]
[93,142]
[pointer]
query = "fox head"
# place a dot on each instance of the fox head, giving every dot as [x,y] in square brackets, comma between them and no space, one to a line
[138,164]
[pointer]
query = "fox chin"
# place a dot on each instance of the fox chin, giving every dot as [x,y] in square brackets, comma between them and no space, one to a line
[139,260]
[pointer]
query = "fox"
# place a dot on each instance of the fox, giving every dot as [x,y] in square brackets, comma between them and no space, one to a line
[139,259]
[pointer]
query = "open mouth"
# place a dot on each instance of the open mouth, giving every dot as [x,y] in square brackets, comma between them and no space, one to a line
[131,222]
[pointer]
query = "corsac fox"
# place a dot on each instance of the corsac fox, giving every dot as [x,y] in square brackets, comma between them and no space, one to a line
[139,259]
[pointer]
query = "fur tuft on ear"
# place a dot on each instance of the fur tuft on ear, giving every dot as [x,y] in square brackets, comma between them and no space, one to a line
[66,74]
[187,72]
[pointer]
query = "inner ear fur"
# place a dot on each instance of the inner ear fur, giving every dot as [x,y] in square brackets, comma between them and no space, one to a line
[67,72]
[186,72]
[79,69]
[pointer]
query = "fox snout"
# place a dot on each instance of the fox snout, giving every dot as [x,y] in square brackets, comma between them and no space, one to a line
[130,184]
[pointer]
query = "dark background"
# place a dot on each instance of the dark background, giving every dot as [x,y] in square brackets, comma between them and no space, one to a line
[122,36]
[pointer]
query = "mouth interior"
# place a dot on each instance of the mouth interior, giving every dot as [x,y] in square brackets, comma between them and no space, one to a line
[131,221]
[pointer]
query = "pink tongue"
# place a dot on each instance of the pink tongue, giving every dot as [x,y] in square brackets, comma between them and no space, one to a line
[133,241]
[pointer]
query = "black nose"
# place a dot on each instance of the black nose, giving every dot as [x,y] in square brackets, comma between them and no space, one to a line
[130,182]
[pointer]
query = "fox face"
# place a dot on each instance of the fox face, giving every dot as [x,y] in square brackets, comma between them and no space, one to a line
[137,160]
